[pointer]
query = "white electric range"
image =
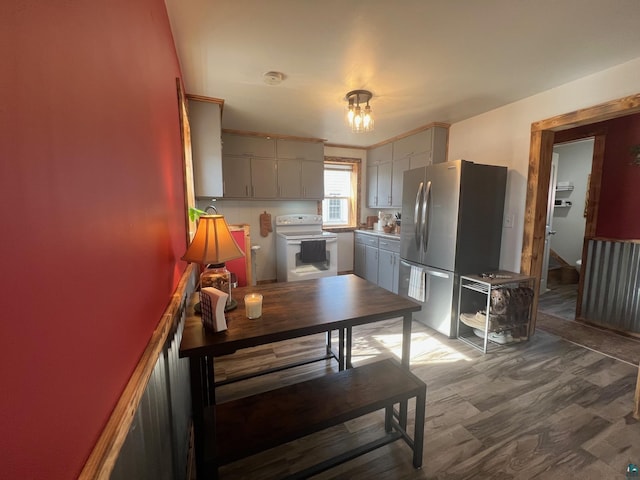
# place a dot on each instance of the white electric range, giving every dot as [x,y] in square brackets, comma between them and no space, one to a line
[303,249]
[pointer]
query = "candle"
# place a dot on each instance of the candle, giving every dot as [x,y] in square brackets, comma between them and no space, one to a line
[253,305]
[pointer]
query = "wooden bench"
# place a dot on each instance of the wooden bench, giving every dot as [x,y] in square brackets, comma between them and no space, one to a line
[252,424]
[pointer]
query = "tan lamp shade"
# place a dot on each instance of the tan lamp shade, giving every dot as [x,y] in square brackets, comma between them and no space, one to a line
[212,243]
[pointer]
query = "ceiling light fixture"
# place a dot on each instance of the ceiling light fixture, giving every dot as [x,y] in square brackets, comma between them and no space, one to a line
[359,119]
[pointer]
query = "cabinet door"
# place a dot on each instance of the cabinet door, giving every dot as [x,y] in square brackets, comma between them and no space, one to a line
[289,179]
[248,145]
[312,179]
[371,264]
[381,154]
[372,186]
[397,174]
[264,178]
[395,273]
[236,172]
[384,184]
[420,160]
[440,145]
[204,120]
[293,149]
[416,143]
[359,259]
[385,269]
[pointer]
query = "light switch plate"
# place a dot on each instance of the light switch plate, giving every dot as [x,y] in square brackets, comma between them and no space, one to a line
[508,220]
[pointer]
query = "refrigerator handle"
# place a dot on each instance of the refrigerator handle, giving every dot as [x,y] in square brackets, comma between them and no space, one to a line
[416,211]
[425,205]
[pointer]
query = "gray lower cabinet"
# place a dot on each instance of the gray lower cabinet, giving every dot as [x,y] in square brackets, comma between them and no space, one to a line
[377,259]
[388,264]
[366,256]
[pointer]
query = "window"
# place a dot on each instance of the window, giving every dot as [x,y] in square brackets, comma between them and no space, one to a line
[339,207]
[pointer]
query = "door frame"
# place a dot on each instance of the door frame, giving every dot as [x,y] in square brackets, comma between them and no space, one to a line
[540,153]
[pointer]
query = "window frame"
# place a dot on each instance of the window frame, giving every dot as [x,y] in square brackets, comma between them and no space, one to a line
[355,164]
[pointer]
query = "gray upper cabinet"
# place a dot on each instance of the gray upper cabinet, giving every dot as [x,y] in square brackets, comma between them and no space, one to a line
[397,175]
[294,149]
[416,143]
[264,178]
[289,172]
[381,154]
[379,176]
[277,168]
[384,177]
[249,146]
[204,122]
[312,180]
[237,176]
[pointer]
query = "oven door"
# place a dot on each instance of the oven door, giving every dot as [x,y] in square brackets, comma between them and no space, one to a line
[306,261]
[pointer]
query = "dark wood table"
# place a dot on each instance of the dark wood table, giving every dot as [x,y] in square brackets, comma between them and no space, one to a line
[289,310]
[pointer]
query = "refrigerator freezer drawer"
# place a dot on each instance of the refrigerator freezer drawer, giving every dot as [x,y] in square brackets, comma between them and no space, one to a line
[437,308]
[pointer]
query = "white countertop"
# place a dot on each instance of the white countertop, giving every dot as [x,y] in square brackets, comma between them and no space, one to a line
[390,236]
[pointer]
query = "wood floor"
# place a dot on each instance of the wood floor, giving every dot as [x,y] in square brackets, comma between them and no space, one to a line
[543,409]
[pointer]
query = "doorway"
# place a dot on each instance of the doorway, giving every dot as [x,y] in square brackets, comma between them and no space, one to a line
[542,140]
[565,227]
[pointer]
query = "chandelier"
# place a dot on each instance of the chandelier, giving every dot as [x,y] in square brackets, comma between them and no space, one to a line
[360,119]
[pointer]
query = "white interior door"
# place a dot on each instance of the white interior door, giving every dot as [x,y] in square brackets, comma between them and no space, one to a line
[549,232]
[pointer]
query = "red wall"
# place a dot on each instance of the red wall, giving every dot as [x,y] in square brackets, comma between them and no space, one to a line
[93,220]
[620,188]
[620,191]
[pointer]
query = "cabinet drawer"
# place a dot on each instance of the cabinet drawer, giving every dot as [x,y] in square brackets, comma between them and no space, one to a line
[365,239]
[390,245]
[248,145]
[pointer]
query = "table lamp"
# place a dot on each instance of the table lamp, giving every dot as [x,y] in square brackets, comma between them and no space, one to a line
[212,245]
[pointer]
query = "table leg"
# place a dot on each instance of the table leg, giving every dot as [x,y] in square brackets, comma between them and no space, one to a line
[329,351]
[405,361]
[202,395]
[341,360]
[197,410]
[349,344]
[209,378]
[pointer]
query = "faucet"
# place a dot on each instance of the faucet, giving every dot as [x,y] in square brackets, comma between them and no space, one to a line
[212,207]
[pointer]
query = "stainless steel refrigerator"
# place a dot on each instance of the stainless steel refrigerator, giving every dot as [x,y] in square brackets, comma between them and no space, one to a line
[451,225]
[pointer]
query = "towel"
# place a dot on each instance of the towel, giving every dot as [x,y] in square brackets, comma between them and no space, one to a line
[313,251]
[416,284]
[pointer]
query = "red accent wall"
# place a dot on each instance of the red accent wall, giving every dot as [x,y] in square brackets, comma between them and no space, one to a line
[620,188]
[93,217]
[620,193]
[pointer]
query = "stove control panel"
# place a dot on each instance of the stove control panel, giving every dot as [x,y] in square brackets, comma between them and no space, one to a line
[302,219]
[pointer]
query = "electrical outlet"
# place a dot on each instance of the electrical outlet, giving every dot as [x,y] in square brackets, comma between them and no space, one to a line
[508,221]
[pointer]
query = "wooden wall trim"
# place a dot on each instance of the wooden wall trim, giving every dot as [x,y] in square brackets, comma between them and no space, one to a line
[597,113]
[105,452]
[539,156]
[202,98]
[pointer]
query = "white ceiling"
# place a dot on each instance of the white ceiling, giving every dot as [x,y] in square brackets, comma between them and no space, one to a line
[424,60]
